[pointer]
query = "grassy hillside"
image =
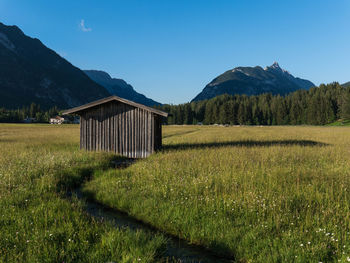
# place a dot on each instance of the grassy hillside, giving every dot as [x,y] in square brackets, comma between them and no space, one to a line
[260,194]
[38,223]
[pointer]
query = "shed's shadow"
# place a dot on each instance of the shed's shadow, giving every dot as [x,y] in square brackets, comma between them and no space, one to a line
[179,133]
[184,146]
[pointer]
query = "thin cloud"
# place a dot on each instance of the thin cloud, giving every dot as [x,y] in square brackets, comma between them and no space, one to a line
[83,27]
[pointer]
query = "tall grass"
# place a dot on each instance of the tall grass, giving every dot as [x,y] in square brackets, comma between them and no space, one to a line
[260,194]
[38,164]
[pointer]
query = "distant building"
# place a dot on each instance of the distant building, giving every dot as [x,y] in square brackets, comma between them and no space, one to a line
[121,126]
[57,120]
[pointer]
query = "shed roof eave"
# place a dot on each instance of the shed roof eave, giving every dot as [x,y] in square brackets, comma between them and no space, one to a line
[81,108]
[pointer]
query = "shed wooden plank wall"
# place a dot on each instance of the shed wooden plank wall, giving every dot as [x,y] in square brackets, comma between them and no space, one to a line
[120,128]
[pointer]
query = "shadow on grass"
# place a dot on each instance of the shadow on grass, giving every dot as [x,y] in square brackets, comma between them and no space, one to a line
[70,183]
[74,177]
[7,140]
[179,133]
[178,249]
[185,146]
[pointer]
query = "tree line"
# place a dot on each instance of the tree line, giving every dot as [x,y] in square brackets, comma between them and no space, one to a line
[317,106]
[33,111]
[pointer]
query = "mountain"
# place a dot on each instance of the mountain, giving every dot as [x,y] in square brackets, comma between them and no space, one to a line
[253,81]
[31,72]
[119,87]
[347,84]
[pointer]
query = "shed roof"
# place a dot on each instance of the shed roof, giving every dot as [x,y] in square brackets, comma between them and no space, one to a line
[113,98]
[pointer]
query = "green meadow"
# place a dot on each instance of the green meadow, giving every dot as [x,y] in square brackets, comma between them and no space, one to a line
[255,194]
[38,223]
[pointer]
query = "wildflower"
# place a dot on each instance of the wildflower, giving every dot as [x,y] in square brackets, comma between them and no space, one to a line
[301,245]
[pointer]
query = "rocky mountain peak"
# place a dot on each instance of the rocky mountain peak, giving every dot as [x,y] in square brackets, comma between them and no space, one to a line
[275,65]
[253,81]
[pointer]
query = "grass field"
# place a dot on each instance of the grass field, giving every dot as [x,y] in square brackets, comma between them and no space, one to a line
[259,194]
[38,164]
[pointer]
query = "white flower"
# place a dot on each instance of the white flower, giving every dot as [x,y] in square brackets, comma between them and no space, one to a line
[301,245]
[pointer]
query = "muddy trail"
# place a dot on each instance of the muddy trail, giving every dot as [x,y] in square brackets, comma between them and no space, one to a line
[177,250]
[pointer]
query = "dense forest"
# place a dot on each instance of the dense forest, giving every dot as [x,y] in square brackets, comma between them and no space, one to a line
[317,106]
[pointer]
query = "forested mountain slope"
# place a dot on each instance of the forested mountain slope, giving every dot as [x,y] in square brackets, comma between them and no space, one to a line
[119,87]
[31,72]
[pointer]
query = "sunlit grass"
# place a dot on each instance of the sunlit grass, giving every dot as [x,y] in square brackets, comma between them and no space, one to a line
[38,223]
[261,194]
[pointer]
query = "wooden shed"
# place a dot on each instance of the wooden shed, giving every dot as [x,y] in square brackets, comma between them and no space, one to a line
[121,126]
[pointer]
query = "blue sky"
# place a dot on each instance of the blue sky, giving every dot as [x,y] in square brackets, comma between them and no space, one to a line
[169,50]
